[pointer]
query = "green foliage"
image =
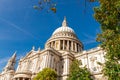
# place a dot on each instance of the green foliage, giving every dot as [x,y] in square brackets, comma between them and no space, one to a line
[48,5]
[108,15]
[46,74]
[77,73]
[112,70]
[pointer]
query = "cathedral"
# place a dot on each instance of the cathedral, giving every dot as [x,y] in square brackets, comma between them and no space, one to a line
[60,50]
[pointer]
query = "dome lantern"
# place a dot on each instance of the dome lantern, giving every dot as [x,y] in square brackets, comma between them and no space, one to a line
[64,23]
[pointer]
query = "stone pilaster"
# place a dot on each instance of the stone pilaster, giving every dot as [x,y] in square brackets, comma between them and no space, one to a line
[46,61]
[52,61]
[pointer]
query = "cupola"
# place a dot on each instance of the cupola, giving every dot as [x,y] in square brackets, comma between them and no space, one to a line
[64,39]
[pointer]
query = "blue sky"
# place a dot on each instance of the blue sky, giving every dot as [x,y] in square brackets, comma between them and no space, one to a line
[22,27]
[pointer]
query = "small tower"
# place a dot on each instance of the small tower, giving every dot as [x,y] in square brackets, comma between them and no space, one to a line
[11,63]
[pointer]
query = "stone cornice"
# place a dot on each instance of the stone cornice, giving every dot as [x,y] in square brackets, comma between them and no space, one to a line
[91,51]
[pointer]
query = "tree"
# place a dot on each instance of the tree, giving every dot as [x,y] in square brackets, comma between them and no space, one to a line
[49,5]
[108,15]
[46,74]
[77,73]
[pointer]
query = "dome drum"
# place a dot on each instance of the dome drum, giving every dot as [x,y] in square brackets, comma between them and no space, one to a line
[65,44]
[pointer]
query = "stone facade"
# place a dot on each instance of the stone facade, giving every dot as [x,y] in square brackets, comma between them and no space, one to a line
[60,50]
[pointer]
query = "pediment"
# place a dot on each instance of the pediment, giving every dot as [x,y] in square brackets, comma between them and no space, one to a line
[31,53]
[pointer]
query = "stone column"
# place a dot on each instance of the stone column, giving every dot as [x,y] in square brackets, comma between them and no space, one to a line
[52,44]
[68,45]
[59,45]
[23,78]
[76,47]
[18,79]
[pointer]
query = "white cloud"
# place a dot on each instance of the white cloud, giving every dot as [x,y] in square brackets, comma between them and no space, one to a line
[86,42]
[17,27]
[89,39]
[4,60]
[89,36]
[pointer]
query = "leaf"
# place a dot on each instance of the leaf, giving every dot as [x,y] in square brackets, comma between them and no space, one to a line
[35,7]
[53,9]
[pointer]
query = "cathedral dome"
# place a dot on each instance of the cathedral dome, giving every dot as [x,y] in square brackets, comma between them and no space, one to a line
[64,28]
[64,38]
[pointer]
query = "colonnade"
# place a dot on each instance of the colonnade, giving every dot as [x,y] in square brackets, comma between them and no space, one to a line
[66,45]
[21,78]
